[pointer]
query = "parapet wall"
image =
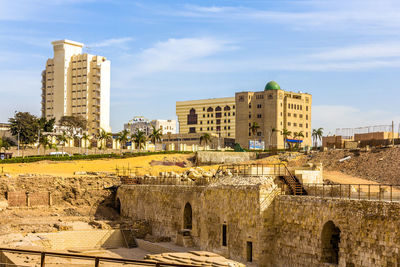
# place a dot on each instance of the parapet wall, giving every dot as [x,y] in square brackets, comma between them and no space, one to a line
[210,157]
[283,230]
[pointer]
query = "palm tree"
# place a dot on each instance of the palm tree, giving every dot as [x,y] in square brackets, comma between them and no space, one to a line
[103,137]
[298,135]
[123,137]
[205,138]
[286,133]
[85,137]
[317,134]
[62,139]
[253,128]
[155,136]
[139,138]
[45,142]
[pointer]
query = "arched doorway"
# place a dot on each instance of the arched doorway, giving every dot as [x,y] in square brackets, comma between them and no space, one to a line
[330,238]
[118,206]
[187,216]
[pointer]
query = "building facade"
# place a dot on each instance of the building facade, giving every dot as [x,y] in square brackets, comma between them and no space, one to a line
[184,141]
[138,123]
[76,84]
[273,110]
[212,116]
[145,125]
[166,126]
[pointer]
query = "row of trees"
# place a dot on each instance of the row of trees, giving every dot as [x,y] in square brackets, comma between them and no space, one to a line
[316,133]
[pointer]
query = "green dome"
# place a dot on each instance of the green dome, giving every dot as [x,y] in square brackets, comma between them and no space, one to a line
[272,86]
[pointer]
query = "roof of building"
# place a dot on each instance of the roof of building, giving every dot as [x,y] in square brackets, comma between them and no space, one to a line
[272,85]
[65,41]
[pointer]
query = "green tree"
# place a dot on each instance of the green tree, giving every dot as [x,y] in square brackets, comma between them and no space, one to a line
[24,127]
[155,136]
[298,135]
[139,138]
[205,138]
[253,128]
[85,137]
[317,135]
[286,133]
[123,137]
[4,144]
[46,125]
[45,143]
[103,137]
[62,139]
[73,124]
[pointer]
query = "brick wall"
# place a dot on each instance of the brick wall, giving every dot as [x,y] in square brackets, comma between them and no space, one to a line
[22,199]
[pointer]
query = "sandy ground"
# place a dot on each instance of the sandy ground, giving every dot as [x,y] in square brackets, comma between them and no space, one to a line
[342,178]
[139,165]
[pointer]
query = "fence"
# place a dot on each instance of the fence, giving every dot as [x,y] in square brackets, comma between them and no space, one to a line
[96,260]
[349,132]
[378,192]
[156,180]
[254,169]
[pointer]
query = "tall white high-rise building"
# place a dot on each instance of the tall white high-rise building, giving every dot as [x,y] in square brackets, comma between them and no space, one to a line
[76,84]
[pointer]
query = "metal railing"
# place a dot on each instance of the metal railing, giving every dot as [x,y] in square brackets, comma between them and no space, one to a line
[377,192]
[254,169]
[96,260]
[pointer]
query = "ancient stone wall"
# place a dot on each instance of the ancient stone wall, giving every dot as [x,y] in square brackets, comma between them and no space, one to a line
[368,232]
[212,207]
[283,230]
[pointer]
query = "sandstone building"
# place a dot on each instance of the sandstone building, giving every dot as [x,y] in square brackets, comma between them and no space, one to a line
[212,116]
[273,110]
[77,84]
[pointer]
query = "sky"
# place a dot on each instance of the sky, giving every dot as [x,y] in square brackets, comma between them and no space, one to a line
[345,53]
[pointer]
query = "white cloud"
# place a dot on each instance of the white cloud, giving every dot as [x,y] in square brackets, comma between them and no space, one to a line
[368,16]
[367,51]
[115,42]
[179,54]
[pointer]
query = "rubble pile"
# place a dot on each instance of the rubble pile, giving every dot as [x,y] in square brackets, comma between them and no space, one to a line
[379,165]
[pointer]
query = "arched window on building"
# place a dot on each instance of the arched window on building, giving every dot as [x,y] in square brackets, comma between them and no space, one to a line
[330,239]
[226,108]
[192,117]
[218,108]
[210,109]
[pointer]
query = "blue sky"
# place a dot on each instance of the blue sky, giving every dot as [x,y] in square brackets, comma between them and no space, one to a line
[345,53]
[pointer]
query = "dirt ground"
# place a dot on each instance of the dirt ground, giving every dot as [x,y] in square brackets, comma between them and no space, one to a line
[378,165]
[139,165]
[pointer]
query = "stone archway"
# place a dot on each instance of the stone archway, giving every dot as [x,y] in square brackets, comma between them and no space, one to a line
[330,240]
[187,216]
